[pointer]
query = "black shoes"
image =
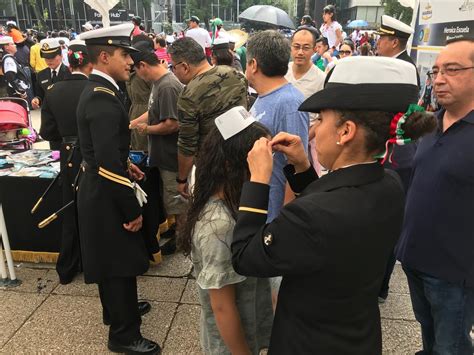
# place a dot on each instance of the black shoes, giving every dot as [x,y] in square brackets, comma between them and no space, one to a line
[140,346]
[143,308]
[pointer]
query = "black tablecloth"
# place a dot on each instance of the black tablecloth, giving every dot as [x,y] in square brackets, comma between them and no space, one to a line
[18,195]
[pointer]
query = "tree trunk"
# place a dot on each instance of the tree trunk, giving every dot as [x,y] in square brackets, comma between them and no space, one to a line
[36,5]
[169,12]
[306,7]
[59,12]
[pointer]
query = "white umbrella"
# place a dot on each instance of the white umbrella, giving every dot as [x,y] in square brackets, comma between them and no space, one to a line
[407,3]
[267,14]
[103,7]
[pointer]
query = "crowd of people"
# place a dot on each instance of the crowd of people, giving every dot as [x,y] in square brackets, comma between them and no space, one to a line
[283,168]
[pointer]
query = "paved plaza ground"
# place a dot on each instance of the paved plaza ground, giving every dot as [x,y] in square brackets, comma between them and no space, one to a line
[42,316]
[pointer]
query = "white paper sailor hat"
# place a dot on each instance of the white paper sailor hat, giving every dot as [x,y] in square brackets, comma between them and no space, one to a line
[6,40]
[233,121]
[88,26]
[117,36]
[221,42]
[50,47]
[367,83]
[393,27]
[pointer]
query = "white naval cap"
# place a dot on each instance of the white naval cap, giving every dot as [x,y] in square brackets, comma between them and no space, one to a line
[367,83]
[50,47]
[6,40]
[117,36]
[393,27]
[75,42]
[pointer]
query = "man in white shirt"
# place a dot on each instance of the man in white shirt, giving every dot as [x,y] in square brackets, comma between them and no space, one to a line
[200,35]
[304,75]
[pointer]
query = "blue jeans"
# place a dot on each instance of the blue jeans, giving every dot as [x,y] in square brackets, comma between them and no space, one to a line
[445,312]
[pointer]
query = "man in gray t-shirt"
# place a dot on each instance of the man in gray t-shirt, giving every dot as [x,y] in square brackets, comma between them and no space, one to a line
[162,106]
[160,123]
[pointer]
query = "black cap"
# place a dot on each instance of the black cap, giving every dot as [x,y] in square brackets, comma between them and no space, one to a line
[194,19]
[143,50]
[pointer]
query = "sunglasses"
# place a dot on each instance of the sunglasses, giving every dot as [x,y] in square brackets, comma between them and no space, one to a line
[345,52]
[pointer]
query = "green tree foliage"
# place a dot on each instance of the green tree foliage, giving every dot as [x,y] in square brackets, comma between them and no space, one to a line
[394,9]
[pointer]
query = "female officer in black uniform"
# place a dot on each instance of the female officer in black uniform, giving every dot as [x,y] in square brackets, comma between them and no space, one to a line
[59,123]
[331,244]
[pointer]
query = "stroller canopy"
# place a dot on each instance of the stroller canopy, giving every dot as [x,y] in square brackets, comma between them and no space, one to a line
[13,113]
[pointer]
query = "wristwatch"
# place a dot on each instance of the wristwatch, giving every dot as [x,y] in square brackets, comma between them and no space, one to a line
[181,181]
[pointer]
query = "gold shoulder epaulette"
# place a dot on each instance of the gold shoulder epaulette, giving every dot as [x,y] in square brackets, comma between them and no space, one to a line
[49,87]
[102,89]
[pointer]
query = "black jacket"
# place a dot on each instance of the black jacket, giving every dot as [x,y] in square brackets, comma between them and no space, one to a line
[105,198]
[331,245]
[404,56]
[43,80]
[58,111]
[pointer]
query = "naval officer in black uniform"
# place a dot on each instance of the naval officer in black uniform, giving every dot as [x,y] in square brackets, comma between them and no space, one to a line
[59,123]
[394,35]
[55,72]
[113,249]
[331,244]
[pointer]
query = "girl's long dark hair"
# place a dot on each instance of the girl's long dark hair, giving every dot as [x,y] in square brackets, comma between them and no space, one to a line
[220,165]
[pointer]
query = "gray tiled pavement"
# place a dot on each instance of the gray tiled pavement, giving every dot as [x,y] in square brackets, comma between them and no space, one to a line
[42,316]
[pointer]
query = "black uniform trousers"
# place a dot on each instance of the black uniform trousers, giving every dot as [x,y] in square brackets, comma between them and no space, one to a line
[69,260]
[119,300]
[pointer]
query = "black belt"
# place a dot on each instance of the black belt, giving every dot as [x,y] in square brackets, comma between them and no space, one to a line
[69,139]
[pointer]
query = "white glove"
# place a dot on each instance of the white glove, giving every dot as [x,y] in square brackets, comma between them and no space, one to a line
[140,194]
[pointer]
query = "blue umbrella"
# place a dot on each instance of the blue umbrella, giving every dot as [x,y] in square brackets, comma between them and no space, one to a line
[357,23]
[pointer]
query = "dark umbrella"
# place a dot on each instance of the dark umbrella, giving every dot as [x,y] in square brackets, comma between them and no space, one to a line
[267,14]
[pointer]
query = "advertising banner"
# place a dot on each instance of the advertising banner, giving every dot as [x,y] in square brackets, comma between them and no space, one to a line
[435,22]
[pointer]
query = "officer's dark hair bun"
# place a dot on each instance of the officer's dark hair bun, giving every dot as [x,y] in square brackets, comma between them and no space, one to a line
[418,124]
[77,56]
[377,126]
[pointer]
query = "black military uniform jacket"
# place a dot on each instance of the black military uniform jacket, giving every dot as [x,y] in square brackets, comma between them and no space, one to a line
[404,56]
[58,112]
[43,80]
[403,154]
[331,245]
[105,198]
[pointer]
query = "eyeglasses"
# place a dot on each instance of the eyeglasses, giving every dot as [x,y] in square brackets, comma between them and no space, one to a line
[173,66]
[301,48]
[447,71]
[345,52]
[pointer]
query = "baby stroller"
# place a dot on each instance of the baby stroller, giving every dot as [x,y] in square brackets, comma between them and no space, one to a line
[16,131]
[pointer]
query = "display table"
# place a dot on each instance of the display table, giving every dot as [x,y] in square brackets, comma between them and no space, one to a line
[29,243]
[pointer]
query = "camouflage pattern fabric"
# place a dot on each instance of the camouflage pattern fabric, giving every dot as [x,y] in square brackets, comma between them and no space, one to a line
[205,97]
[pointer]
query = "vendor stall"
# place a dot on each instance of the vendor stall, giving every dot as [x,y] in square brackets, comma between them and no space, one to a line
[24,176]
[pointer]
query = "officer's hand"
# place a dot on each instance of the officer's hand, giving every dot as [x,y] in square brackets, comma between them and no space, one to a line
[260,160]
[292,147]
[136,173]
[135,225]
[183,190]
[35,103]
